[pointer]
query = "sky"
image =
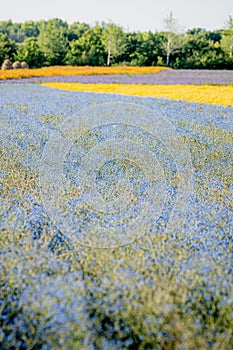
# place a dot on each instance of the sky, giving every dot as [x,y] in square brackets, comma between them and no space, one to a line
[133,15]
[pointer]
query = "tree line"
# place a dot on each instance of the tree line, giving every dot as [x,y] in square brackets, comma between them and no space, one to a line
[55,42]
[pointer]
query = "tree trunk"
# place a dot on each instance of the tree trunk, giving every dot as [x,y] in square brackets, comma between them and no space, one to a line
[231,47]
[109,57]
[167,62]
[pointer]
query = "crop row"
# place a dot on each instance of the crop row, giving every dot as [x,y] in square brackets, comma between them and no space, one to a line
[218,95]
[163,77]
[70,70]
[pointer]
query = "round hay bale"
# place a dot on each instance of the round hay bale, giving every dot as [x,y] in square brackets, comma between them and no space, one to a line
[6,65]
[16,65]
[24,65]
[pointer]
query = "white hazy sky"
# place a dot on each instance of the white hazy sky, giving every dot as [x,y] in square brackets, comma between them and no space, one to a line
[140,15]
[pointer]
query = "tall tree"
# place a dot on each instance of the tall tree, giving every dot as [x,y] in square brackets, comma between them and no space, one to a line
[88,49]
[227,39]
[30,52]
[173,39]
[113,41]
[53,42]
[30,29]
[142,49]
[6,26]
[76,30]
[201,50]
[7,48]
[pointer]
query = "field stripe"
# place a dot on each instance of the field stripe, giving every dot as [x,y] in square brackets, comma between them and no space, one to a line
[219,95]
[69,70]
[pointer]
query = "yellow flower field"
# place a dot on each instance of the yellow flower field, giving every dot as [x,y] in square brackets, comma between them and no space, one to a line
[219,95]
[69,70]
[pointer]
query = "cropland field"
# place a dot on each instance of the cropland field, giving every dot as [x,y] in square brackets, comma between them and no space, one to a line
[116,209]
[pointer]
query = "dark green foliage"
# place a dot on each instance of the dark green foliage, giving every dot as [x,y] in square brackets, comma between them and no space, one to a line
[88,49]
[61,43]
[7,47]
[53,42]
[76,30]
[31,53]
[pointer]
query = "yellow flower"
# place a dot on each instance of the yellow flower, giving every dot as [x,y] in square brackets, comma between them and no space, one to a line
[219,95]
[69,70]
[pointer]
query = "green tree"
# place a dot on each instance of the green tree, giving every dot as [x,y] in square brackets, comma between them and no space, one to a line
[141,48]
[173,40]
[7,48]
[89,49]
[227,39]
[201,49]
[30,52]
[113,41]
[5,27]
[30,29]
[138,56]
[16,33]
[76,30]
[53,42]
